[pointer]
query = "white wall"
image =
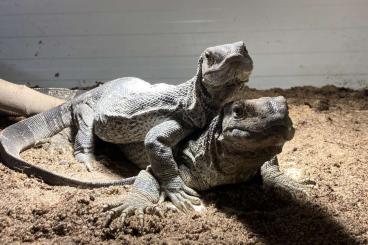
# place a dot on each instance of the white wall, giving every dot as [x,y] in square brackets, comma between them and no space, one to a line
[292,42]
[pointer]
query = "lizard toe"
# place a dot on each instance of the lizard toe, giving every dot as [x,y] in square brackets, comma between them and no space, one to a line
[114,213]
[109,206]
[188,205]
[128,211]
[180,201]
[133,204]
[190,191]
[140,214]
[193,200]
[86,159]
[174,197]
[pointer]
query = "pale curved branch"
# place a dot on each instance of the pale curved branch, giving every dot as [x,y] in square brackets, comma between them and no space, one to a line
[19,99]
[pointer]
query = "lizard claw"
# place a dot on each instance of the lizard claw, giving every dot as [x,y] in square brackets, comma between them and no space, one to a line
[308,183]
[86,159]
[182,196]
[132,205]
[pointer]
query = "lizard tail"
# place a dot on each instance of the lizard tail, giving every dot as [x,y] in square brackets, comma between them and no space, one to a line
[24,134]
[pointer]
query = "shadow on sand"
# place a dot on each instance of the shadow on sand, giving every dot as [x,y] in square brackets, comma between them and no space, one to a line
[276,219]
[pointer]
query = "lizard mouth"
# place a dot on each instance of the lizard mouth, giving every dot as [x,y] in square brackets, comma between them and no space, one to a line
[230,74]
[260,133]
[235,67]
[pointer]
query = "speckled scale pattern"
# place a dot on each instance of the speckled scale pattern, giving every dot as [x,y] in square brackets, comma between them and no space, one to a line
[203,161]
[124,114]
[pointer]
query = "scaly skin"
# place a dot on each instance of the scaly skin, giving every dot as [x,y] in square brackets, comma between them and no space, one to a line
[61,93]
[243,140]
[130,110]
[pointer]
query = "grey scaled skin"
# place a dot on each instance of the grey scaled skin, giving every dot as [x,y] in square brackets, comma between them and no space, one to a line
[129,110]
[239,143]
[61,93]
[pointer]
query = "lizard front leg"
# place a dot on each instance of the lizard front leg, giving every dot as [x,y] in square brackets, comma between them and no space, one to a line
[84,140]
[159,142]
[273,178]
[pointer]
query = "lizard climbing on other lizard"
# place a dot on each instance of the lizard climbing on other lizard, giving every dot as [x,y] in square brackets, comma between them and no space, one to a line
[129,110]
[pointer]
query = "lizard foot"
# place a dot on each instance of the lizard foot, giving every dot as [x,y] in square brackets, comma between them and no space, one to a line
[183,197]
[86,159]
[289,188]
[144,198]
[133,204]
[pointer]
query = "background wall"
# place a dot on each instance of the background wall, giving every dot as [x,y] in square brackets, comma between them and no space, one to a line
[66,43]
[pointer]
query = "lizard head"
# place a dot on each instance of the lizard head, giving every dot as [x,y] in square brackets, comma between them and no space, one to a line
[255,124]
[225,64]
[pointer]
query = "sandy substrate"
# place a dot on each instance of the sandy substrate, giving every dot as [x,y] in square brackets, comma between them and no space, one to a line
[329,147]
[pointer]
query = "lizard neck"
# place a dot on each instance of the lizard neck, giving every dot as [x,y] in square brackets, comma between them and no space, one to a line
[198,110]
[203,102]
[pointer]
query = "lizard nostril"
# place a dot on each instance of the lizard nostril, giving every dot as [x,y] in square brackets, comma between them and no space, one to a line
[244,49]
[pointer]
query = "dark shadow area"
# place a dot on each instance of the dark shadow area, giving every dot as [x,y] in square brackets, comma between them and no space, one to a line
[6,120]
[110,156]
[107,154]
[277,219]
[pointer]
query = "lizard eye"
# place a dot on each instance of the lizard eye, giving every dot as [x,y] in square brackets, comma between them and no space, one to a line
[238,110]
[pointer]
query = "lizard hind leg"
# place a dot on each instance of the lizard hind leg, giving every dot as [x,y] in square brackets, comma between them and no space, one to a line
[84,139]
